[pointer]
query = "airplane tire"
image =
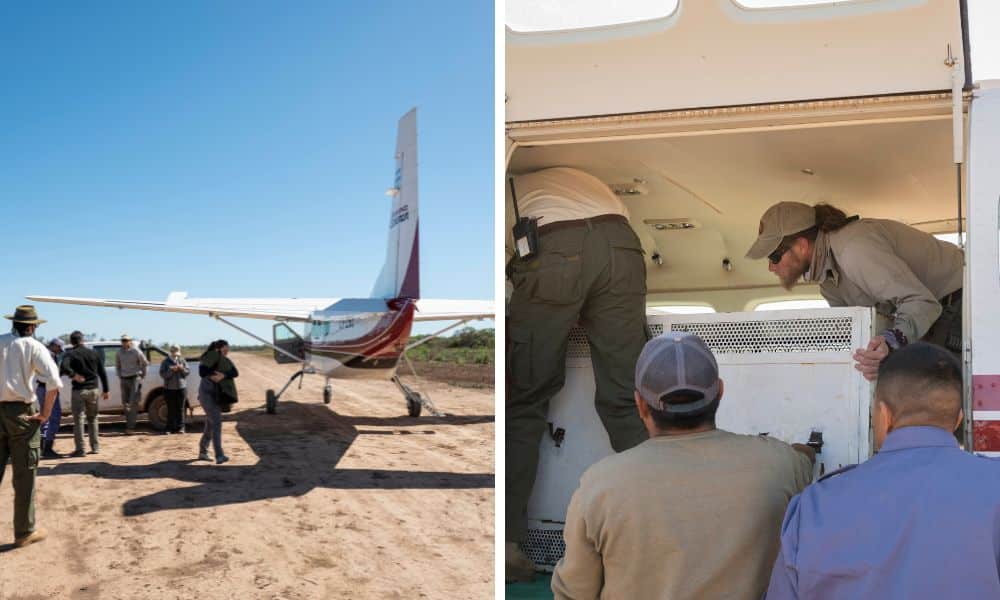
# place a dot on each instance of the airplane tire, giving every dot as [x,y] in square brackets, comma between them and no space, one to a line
[271,402]
[413,405]
[327,394]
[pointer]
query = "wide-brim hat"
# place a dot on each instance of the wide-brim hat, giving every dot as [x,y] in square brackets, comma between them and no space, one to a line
[125,337]
[25,314]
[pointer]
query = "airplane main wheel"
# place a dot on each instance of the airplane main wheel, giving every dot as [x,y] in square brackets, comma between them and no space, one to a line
[413,405]
[271,402]
[327,394]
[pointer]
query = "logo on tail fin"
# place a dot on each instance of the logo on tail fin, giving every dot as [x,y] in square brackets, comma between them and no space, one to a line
[399,215]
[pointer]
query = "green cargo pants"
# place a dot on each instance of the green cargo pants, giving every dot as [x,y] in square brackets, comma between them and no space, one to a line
[592,273]
[84,402]
[20,440]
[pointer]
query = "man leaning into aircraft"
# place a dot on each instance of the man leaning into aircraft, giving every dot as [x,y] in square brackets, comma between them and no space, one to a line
[588,269]
[917,520]
[902,271]
[22,360]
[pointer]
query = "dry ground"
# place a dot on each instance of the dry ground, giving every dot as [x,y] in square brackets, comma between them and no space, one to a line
[342,501]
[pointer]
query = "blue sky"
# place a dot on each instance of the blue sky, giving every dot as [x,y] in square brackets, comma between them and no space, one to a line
[236,149]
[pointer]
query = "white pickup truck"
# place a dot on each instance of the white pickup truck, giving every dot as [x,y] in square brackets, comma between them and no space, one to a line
[153,399]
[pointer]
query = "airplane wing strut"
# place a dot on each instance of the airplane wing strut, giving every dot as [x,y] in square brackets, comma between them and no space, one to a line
[258,338]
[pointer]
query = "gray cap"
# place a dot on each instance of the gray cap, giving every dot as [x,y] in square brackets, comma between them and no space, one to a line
[782,219]
[57,342]
[677,361]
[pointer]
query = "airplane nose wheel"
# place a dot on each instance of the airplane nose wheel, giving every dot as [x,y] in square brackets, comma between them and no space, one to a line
[327,393]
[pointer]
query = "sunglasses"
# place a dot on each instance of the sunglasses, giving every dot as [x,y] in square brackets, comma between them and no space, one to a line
[775,257]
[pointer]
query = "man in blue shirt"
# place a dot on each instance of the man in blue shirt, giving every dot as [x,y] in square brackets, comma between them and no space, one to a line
[920,519]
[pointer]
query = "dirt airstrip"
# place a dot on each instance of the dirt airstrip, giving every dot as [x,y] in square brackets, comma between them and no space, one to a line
[350,500]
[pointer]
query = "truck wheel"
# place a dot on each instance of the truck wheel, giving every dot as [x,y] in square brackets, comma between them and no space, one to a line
[157,411]
[271,402]
[413,405]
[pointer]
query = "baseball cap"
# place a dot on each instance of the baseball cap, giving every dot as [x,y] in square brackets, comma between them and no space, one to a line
[126,337]
[782,219]
[57,342]
[677,361]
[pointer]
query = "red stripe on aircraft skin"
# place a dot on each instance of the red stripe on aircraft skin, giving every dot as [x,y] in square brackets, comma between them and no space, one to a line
[986,392]
[986,436]
[411,281]
[382,342]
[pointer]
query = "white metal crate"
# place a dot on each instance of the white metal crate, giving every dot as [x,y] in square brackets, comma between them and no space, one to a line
[786,373]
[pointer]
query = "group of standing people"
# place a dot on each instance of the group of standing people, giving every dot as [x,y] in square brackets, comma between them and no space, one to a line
[31,381]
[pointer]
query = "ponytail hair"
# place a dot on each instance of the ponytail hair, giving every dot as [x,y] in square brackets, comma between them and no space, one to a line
[828,218]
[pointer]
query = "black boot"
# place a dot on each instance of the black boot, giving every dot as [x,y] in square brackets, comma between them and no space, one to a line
[47,450]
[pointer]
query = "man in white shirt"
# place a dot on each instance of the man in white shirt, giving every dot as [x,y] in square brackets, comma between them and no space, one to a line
[588,270]
[22,360]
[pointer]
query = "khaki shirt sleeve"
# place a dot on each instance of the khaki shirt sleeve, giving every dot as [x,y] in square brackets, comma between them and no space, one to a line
[875,268]
[803,470]
[580,572]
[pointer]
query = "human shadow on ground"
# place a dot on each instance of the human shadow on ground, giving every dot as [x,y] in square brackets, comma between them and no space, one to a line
[298,451]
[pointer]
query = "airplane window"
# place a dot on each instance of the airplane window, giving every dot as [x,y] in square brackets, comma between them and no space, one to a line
[693,309]
[786,3]
[792,304]
[531,16]
[951,238]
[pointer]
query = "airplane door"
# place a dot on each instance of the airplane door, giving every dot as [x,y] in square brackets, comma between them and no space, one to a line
[288,340]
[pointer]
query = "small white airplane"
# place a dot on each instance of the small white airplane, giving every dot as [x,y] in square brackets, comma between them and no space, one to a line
[344,337]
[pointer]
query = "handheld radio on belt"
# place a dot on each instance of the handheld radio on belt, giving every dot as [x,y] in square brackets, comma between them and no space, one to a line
[525,230]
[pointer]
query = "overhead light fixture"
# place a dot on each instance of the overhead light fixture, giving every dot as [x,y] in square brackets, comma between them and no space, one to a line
[671,224]
[634,188]
[808,171]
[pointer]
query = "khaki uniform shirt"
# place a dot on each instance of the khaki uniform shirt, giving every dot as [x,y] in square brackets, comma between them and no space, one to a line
[561,194]
[686,516]
[902,271]
[131,362]
[22,360]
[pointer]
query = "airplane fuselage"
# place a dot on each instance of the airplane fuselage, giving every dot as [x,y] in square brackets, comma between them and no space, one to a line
[364,343]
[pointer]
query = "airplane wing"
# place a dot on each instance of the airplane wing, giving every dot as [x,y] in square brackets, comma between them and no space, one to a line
[276,309]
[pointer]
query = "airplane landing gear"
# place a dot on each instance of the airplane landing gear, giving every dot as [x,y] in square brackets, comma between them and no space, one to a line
[414,401]
[413,404]
[327,393]
[271,399]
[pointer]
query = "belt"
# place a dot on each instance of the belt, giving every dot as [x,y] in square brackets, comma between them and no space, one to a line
[952,298]
[130,376]
[580,223]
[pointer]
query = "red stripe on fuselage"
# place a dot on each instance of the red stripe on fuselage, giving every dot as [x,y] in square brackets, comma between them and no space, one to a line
[386,340]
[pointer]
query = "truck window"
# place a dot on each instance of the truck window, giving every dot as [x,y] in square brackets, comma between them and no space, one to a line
[110,354]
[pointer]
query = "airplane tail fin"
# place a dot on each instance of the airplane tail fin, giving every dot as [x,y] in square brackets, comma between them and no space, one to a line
[400,276]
